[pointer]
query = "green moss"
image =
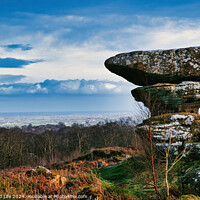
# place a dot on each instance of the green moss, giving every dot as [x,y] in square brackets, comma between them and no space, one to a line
[114,173]
[123,171]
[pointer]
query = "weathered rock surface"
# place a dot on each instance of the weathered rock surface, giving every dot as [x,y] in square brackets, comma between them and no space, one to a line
[159,66]
[55,179]
[171,84]
[183,97]
[38,171]
[178,126]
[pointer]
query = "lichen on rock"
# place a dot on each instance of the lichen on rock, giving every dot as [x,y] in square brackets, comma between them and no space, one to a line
[159,66]
[171,84]
[182,97]
[178,126]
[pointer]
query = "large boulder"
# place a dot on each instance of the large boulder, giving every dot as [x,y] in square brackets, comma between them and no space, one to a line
[159,66]
[182,97]
[40,170]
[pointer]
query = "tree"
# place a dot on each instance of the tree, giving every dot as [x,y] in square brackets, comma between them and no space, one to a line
[152,105]
[174,153]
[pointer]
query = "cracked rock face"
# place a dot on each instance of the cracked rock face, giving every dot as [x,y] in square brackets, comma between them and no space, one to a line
[159,66]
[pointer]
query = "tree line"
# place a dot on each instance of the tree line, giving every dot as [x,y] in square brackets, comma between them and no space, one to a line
[19,148]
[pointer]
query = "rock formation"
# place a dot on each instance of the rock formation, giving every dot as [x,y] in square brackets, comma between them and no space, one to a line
[171,81]
[179,127]
[182,97]
[160,66]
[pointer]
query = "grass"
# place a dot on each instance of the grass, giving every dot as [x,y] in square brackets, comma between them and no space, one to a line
[76,178]
[127,179]
[132,176]
[123,171]
[114,173]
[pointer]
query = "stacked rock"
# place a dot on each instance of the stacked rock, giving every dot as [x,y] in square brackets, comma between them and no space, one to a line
[171,81]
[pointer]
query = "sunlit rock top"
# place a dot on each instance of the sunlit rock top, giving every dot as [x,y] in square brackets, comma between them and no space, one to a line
[158,66]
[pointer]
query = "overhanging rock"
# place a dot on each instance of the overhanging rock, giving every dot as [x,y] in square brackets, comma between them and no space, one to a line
[159,66]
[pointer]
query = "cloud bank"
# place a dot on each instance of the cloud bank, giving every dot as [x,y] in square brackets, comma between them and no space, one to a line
[8,78]
[67,87]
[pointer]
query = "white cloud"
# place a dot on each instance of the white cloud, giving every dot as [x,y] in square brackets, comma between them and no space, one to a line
[70,53]
[109,86]
[69,85]
[163,33]
[53,87]
[52,19]
[9,90]
[37,89]
[6,90]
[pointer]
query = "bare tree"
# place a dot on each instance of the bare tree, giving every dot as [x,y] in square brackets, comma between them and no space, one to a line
[168,147]
[153,105]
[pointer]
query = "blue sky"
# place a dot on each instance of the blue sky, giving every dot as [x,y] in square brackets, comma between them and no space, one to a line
[66,42]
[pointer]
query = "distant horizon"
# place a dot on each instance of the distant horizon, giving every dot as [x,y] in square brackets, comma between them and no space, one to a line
[68,118]
[68,112]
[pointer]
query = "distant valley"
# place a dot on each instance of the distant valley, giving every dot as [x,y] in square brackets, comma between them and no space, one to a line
[53,118]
